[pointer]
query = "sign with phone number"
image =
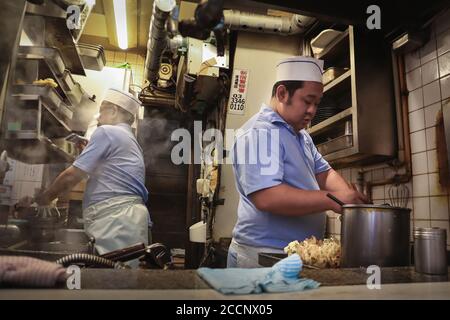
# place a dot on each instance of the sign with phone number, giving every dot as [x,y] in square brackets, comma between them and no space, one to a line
[238,92]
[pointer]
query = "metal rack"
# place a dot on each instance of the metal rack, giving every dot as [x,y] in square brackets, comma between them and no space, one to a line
[364,101]
[37,116]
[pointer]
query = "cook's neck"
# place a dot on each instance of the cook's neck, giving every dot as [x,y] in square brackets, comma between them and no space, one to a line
[275,105]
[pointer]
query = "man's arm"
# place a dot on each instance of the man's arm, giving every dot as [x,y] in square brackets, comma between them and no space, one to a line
[330,180]
[289,201]
[65,182]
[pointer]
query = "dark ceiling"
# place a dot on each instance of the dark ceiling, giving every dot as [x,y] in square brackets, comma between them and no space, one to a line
[396,15]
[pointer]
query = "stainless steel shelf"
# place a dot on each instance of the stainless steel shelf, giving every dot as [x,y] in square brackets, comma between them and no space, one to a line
[331,48]
[52,57]
[314,130]
[338,81]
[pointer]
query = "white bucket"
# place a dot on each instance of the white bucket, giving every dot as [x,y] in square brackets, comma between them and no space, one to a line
[197,232]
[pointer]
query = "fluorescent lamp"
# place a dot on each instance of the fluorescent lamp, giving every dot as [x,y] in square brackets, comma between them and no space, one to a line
[120,14]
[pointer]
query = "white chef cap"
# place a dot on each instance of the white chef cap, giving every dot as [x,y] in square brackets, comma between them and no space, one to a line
[300,68]
[123,100]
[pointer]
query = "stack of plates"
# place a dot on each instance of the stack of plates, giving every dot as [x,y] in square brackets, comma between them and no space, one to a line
[324,112]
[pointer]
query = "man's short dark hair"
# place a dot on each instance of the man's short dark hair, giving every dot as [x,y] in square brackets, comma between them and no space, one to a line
[291,87]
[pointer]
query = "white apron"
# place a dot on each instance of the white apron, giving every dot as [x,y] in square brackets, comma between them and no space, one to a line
[117,223]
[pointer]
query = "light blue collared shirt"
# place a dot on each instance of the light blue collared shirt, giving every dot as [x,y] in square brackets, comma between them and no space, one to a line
[115,164]
[282,156]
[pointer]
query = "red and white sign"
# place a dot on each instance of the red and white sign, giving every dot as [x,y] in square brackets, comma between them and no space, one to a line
[238,92]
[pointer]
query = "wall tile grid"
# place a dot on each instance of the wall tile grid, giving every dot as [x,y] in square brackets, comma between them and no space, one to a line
[428,83]
[137,61]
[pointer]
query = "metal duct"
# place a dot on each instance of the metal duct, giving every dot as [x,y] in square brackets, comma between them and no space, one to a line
[246,21]
[157,38]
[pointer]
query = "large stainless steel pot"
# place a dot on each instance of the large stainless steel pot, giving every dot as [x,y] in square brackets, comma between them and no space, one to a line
[375,235]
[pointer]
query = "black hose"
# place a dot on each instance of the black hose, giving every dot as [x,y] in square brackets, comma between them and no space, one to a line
[88,259]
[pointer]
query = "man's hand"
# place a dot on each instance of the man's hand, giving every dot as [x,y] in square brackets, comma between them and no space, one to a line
[81,144]
[41,199]
[348,196]
[25,202]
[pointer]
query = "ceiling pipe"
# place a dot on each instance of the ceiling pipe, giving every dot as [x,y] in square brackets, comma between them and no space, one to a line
[246,21]
[157,38]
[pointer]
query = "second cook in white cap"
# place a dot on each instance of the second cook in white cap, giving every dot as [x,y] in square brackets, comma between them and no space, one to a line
[123,100]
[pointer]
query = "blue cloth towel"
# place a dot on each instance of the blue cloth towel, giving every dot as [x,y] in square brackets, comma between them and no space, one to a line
[281,277]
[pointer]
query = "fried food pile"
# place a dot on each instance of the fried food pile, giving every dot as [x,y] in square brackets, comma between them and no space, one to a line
[320,253]
[46,82]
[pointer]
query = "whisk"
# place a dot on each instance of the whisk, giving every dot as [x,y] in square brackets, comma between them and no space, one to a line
[399,195]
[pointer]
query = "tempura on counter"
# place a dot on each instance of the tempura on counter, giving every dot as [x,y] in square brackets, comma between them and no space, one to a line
[320,253]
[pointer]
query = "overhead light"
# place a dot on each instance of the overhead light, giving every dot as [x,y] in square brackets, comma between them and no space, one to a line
[120,14]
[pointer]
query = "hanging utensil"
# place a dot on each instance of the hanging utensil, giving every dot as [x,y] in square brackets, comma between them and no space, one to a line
[398,194]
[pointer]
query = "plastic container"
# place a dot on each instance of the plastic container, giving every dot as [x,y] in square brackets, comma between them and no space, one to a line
[197,232]
[430,253]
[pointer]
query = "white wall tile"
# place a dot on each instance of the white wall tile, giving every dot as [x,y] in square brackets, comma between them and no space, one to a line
[337,226]
[444,65]
[416,120]
[435,187]
[354,173]
[377,175]
[388,190]
[431,93]
[119,56]
[131,58]
[388,172]
[421,208]
[414,79]
[418,141]
[109,55]
[431,138]
[412,60]
[432,161]
[431,113]
[442,225]
[330,225]
[428,51]
[443,42]
[415,99]
[439,208]
[368,176]
[140,59]
[378,193]
[430,72]
[420,186]
[445,87]
[422,223]
[419,163]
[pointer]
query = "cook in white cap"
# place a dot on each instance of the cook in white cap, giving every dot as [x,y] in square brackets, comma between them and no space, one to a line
[114,209]
[283,185]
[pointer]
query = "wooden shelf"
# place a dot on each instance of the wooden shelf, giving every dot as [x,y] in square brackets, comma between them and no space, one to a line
[324,124]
